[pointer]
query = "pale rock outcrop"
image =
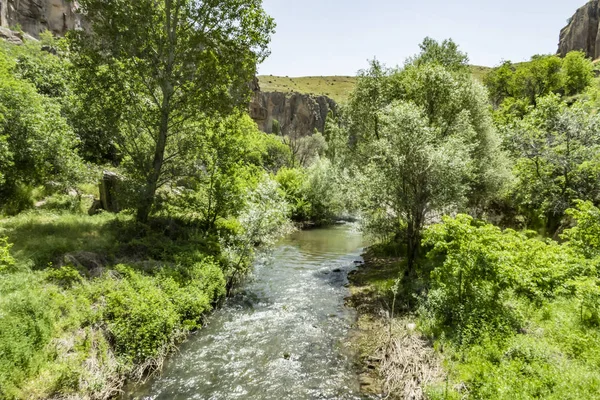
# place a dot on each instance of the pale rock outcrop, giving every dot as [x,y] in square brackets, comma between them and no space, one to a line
[297,113]
[582,32]
[35,16]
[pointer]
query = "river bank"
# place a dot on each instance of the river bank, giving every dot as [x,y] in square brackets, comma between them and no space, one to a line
[394,359]
[283,333]
[90,302]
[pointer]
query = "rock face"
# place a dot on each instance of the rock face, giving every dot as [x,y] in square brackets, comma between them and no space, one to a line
[35,16]
[582,32]
[296,113]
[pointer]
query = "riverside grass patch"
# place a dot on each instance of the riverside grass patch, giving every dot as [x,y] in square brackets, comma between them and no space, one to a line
[62,334]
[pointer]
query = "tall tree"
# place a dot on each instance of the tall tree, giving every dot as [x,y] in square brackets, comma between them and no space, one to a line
[169,62]
[415,169]
[557,150]
[443,123]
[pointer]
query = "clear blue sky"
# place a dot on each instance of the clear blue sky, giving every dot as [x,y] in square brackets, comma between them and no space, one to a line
[337,37]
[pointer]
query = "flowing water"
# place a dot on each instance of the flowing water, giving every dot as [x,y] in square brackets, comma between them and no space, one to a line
[283,335]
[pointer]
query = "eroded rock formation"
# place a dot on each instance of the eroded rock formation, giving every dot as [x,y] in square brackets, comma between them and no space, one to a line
[582,32]
[296,113]
[35,16]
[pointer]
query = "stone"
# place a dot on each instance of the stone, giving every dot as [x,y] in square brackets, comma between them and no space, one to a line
[11,37]
[36,16]
[582,31]
[108,191]
[91,264]
[96,208]
[298,114]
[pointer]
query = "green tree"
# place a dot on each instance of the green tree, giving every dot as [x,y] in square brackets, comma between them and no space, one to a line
[556,148]
[415,169]
[36,143]
[366,100]
[540,76]
[451,100]
[182,60]
[445,53]
[577,71]
[452,108]
[499,82]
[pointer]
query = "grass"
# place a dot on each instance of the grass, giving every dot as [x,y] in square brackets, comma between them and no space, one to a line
[336,87]
[479,72]
[42,237]
[67,333]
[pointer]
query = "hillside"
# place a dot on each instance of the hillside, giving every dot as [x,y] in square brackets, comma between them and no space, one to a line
[336,87]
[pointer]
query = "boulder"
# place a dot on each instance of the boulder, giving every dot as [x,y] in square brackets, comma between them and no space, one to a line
[90,264]
[108,191]
[11,37]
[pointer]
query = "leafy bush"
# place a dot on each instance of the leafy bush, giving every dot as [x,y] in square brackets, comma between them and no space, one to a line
[292,182]
[314,193]
[36,143]
[585,235]
[480,270]
[64,277]
[6,259]
[140,316]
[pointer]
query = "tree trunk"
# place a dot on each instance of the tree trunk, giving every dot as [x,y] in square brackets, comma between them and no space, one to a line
[413,232]
[171,22]
[147,201]
[412,247]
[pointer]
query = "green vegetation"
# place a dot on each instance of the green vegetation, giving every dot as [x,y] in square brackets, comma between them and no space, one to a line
[519,85]
[336,87]
[89,301]
[489,218]
[482,202]
[424,141]
[518,309]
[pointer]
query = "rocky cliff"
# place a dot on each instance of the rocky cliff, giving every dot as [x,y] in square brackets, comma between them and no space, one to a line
[582,32]
[35,16]
[296,113]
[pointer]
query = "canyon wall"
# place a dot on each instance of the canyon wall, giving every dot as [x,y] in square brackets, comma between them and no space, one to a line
[581,33]
[297,113]
[35,16]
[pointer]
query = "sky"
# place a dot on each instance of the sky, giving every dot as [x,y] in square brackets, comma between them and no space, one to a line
[337,37]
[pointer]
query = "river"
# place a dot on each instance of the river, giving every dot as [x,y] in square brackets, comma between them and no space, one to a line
[283,334]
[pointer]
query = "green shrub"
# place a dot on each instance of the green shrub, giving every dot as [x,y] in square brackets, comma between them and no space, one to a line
[64,277]
[314,193]
[556,358]
[140,316]
[585,236]
[7,262]
[480,270]
[293,181]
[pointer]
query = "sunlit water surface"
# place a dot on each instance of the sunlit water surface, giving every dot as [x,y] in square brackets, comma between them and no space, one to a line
[283,335]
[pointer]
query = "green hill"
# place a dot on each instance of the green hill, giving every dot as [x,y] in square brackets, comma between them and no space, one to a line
[336,87]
